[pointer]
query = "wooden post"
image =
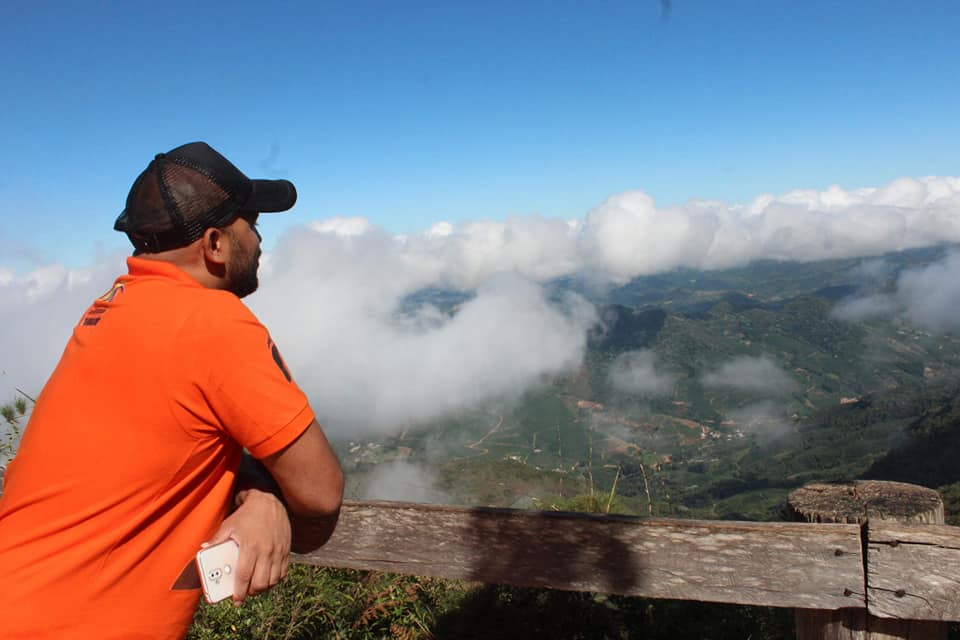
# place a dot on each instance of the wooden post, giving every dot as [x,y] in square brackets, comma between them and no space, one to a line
[861,502]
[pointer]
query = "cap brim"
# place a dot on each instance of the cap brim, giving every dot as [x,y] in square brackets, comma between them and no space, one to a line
[269,196]
[121,222]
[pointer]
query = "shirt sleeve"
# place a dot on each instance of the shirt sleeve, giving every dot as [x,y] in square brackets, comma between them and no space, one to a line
[250,389]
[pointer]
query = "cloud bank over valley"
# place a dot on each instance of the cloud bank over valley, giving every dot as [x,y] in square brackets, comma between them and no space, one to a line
[336,293]
[928,297]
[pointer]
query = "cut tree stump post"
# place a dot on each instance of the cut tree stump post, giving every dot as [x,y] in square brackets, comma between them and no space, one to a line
[862,502]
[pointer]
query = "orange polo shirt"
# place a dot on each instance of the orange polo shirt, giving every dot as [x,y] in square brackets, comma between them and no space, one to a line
[128,461]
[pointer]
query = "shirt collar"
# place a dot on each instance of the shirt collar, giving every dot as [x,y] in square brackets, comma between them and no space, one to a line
[139,267]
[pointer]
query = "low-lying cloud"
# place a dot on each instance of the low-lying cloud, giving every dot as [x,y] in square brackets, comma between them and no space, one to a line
[637,372]
[335,293]
[928,297]
[756,374]
[366,368]
[766,420]
[399,480]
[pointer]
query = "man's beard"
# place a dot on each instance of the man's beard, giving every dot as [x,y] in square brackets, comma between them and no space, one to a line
[242,270]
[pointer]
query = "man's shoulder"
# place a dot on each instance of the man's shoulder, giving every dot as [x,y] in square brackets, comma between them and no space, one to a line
[212,304]
[221,308]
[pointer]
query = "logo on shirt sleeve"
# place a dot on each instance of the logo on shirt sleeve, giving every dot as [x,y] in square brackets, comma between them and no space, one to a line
[93,315]
[110,295]
[275,352]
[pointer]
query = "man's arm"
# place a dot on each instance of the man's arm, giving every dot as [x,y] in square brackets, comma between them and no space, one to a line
[306,475]
[309,474]
[307,478]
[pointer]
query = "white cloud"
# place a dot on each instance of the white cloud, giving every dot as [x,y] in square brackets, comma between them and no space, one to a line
[637,372]
[341,226]
[628,235]
[874,272]
[868,306]
[766,420]
[535,247]
[333,304]
[37,312]
[928,297]
[332,290]
[748,373]
[440,229]
[401,481]
[364,367]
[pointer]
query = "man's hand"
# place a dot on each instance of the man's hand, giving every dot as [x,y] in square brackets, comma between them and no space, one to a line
[262,529]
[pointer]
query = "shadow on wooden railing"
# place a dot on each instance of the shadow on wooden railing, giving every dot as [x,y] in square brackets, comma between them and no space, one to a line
[879,568]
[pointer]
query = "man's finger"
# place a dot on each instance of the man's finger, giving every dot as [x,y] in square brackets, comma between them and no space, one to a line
[276,573]
[260,581]
[243,576]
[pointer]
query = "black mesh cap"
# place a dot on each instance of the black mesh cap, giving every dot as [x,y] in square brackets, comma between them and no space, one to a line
[184,192]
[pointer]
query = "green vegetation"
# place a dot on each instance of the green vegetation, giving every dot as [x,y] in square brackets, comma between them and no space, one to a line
[316,604]
[12,413]
[927,454]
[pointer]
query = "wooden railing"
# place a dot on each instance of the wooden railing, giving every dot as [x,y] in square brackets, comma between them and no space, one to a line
[880,569]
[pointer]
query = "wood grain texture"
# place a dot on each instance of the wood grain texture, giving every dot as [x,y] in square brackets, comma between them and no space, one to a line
[914,571]
[777,564]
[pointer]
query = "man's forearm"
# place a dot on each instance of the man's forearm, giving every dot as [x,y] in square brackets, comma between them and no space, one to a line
[309,532]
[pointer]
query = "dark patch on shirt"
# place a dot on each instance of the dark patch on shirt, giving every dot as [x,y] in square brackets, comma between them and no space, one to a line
[279,360]
[189,578]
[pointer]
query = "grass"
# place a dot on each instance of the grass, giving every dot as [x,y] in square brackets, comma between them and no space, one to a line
[315,603]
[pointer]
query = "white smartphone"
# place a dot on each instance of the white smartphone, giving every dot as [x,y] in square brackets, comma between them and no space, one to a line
[217,565]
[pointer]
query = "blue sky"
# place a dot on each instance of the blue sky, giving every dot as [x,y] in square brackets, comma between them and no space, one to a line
[409,113]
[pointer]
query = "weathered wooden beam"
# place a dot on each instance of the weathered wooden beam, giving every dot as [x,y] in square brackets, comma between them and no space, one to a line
[778,564]
[913,571]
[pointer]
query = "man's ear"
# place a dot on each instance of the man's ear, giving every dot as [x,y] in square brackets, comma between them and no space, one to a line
[214,246]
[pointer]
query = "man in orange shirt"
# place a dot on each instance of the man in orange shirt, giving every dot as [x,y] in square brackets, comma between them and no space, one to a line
[129,462]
